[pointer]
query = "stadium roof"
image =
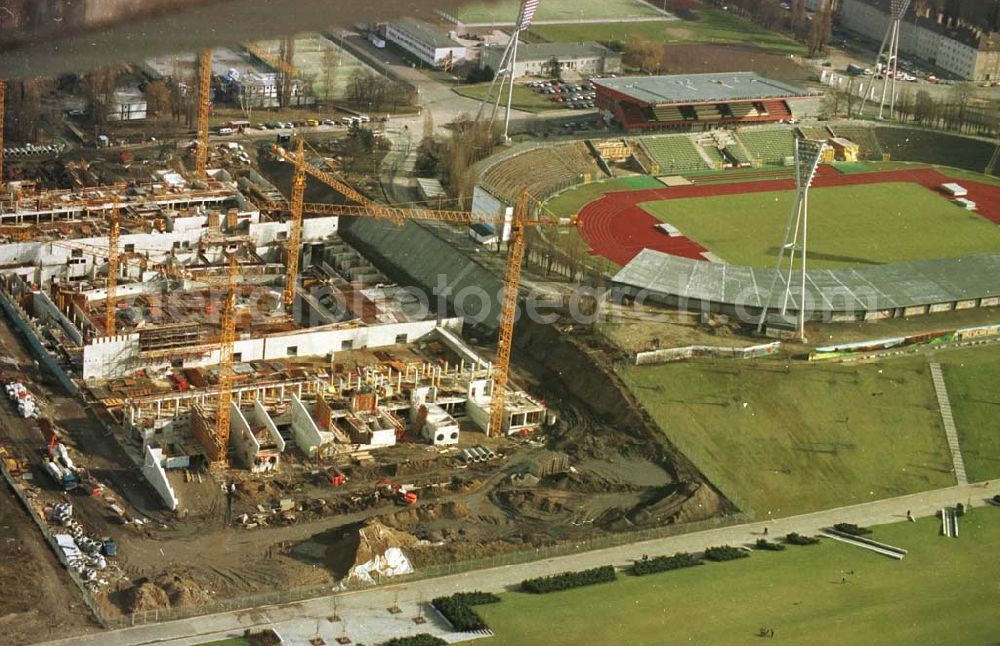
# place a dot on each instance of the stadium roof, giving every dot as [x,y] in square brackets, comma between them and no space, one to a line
[876,287]
[698,88]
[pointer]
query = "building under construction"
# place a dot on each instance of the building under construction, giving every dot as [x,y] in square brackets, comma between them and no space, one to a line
[127,288]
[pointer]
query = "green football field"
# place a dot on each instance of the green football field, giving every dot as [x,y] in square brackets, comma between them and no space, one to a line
[789,440]
[849,226]
[505,11]
[943,592]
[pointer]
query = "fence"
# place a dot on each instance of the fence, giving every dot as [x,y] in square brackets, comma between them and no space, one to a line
[426,572]
[718,352]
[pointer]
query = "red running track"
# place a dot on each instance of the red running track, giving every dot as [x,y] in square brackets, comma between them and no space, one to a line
[616,227]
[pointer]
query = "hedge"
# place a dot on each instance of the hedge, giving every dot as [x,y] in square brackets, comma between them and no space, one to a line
[764,544]
[798,539]
[852,529]
[457,609]
[665,563]
[422,639]
[725,553]
[567,580]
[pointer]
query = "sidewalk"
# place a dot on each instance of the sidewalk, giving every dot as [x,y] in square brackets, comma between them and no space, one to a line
[362,604]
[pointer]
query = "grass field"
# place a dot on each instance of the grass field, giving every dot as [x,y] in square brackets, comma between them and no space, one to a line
[943,592]
[570,202]
[506,11]
[848,225]
[812,437]
[712,27]
[524,98]
[973,380]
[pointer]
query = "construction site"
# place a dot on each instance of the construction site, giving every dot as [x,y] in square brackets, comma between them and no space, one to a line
[214,394]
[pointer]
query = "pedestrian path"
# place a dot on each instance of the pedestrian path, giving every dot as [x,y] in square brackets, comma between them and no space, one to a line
[358,604]
[949,423]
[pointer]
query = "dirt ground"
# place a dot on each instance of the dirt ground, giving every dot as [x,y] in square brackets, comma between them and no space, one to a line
[695,58]
[40,603]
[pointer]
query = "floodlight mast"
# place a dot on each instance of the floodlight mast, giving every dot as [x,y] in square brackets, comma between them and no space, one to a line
[807,156]
[507,68]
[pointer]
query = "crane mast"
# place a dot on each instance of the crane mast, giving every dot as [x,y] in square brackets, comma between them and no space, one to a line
[295,227]
[114,234]
[508,315]
[204,98]
[228,339]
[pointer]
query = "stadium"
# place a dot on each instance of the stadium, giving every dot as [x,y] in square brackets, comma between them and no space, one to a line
[700,101]
[693,220]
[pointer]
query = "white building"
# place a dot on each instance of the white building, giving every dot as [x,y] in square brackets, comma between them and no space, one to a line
[425,42]
[129,105]
[969,51]
[540,59]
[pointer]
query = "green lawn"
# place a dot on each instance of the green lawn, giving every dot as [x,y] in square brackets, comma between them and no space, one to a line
[814,437]
[712,27]
[848,225]
[973,380]
[524,98]
[501,11]
[943,592]
[570,201]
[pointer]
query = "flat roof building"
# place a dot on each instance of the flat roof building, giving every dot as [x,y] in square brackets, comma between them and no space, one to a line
[541,59]
[425,41]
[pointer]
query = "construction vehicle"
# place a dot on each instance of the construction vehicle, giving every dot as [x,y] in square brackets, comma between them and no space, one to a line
[15,466]
[401,494]
[366,207]
[63,476]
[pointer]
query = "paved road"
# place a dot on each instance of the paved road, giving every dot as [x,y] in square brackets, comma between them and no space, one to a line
[360,604]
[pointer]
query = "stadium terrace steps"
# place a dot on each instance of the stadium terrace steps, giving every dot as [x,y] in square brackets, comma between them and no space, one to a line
[674,154]
[944,403]
[541,170]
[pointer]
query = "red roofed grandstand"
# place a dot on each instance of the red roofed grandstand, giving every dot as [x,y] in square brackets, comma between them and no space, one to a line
[695,100]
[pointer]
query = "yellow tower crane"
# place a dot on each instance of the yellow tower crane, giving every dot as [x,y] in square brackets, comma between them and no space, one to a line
[365,207]
[204,100]
[114,234]
[295,228]
[227,334]
[3,105]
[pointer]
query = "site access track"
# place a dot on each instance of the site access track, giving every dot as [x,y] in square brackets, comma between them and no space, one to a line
[198,630]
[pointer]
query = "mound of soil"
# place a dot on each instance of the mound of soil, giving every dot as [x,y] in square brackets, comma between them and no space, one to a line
[146,596]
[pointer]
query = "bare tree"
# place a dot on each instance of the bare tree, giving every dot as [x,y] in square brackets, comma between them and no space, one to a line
[99,88]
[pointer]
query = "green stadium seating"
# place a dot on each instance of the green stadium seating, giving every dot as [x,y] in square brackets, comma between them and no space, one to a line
[769,146]
[912,144]
[673,154]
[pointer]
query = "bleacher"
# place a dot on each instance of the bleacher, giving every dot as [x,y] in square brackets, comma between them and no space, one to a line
[864,137]
[673,154]
[912,144]
[743,110]
[540,170]
[668,113]
[769,146]
[739,154]
[816,133]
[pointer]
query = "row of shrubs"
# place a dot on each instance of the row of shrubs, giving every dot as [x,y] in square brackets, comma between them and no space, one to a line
[798,539]
[567,580]
[725,553]
[764,544]
[457,609]
[665,563]
[421,639]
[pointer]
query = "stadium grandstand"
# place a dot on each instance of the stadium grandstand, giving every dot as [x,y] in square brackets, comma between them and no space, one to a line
[540,171]
[673,154]
[699,101]
[769,146]
[863,137]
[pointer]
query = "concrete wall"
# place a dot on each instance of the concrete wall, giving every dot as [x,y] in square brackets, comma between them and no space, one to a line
[113,356]
[45,310]
[241,438]
[153,470]
[307,436]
